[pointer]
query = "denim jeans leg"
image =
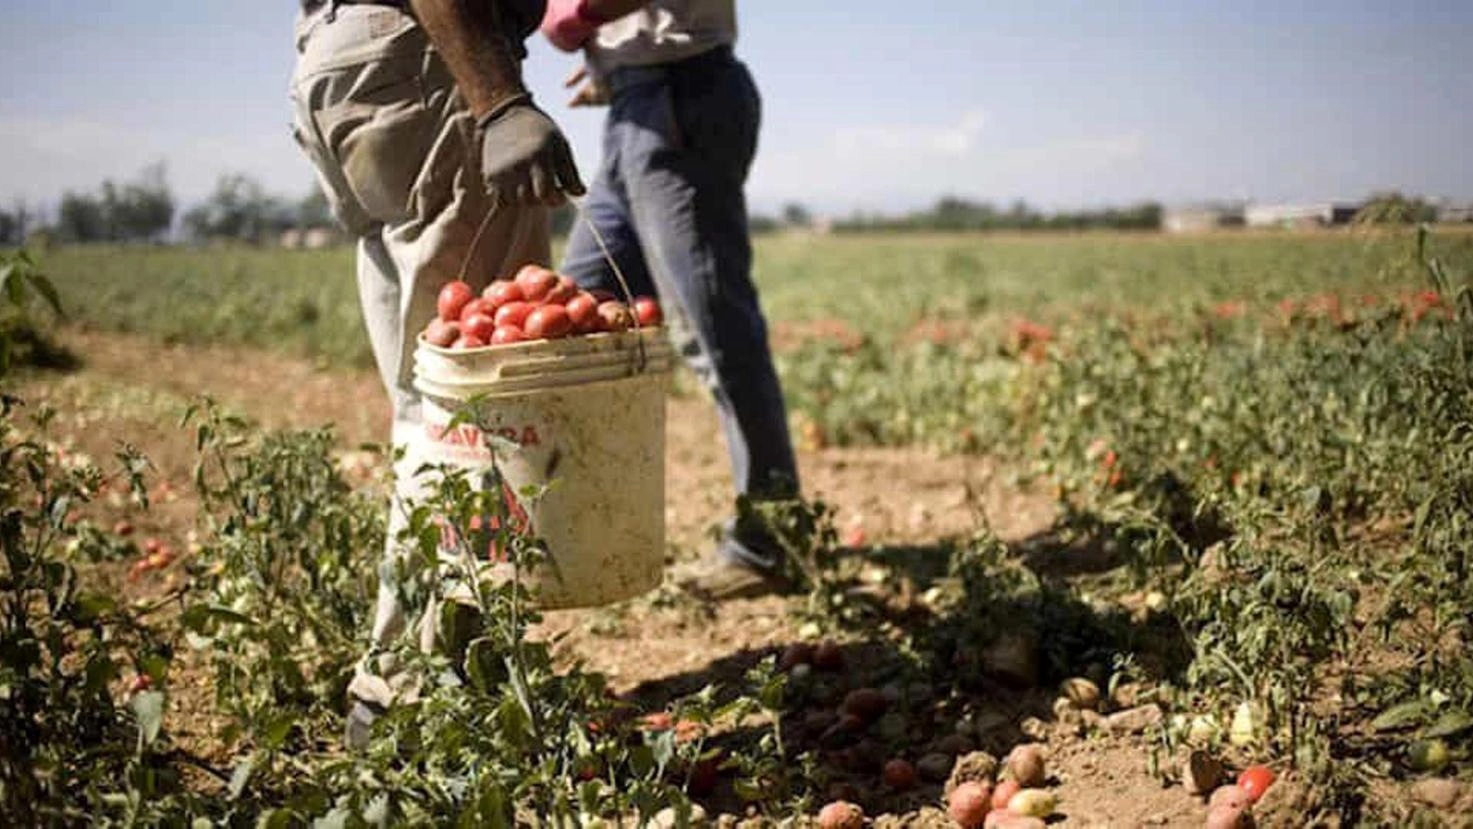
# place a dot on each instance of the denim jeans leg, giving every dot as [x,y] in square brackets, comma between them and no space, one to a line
[683,161]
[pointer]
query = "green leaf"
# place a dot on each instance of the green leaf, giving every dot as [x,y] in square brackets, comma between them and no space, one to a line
[196,617]
[148,707]
[47,290]
[1453,722]
[1401,716]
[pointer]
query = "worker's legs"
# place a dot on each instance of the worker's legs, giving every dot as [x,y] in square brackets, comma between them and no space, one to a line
[680,141]
[396,154]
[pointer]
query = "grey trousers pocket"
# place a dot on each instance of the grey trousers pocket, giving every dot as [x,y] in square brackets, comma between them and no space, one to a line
[380,148]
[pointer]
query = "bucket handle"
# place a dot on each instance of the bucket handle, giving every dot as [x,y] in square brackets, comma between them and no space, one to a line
[579,203]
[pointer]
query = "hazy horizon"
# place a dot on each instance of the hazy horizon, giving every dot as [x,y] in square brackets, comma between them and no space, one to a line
[1064,105]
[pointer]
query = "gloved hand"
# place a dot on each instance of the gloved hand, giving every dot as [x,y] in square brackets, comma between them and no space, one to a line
[524,157]
[568,24]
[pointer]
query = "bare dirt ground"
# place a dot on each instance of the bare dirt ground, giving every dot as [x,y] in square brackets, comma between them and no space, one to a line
[135,389]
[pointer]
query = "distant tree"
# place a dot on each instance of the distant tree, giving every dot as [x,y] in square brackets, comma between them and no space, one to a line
[138,211]
[238,210]
[1395,208]
[80,218]
[142,210]
[10,229]
[758,223]
[796,215]
[313,211]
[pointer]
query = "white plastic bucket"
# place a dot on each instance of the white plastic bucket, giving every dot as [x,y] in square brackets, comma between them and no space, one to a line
[587,413]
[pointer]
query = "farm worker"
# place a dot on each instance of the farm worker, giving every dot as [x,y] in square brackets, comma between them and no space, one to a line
[668,200]
[433,155]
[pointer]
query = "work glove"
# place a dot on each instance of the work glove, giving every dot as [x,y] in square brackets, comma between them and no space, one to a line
[524,157]
[568,24]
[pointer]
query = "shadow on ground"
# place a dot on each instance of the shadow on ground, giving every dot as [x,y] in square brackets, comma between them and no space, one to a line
[964,643]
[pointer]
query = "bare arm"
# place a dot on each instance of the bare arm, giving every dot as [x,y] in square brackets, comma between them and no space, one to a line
[471,37]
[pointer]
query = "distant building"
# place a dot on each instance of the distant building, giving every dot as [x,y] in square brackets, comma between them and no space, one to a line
[311,238]
[1460,213]
[1322,214]
[1202,218]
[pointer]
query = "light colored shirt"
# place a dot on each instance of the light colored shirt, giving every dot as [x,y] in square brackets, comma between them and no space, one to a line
[664,31]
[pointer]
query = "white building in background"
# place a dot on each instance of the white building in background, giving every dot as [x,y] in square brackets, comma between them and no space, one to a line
[1201,218]
[1321,214]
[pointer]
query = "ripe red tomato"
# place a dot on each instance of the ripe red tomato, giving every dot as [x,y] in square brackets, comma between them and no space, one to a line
[548,322]
[647,311]
[513,313]
[583,311]
[564,290]
[505,334]
[1255,780]
[452,299]
[613,316]
[535,282]
[441,333]
[475,306]
[478,325]
[501,292]
[467,341]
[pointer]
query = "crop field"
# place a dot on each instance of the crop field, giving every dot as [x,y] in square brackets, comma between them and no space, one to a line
[1117,521]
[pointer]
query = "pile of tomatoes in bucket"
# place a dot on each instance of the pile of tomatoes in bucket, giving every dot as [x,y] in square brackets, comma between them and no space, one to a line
[536,304]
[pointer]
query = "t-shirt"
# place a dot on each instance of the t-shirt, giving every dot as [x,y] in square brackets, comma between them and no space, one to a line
[663,31]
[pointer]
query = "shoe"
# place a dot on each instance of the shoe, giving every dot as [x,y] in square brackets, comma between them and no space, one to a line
[358,731]
[717,579]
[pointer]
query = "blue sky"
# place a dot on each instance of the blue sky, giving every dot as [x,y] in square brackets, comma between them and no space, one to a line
[868,105]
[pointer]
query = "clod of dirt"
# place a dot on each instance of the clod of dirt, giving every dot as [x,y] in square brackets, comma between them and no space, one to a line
[976,767]
[1200,772]
[1068,718]
[668,818]
[1025,764]
[935,766]
[954,745]
[1083,694]
[1134,720]
[1012,659]
[1437,791]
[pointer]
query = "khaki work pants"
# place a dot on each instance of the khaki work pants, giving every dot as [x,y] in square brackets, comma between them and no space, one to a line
[397,155]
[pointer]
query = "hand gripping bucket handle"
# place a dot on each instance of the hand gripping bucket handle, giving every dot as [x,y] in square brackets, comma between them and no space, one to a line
[579,203]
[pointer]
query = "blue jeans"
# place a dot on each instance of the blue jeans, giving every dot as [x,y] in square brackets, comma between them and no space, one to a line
[669,201]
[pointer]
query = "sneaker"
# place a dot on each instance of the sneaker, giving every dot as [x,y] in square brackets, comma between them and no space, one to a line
[358,730]
[714,578]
